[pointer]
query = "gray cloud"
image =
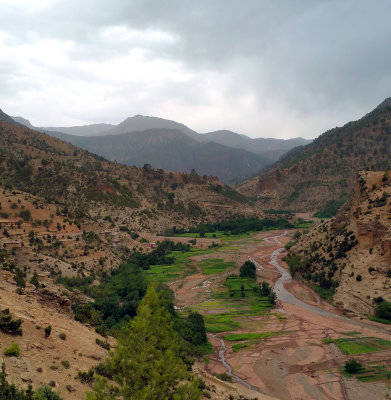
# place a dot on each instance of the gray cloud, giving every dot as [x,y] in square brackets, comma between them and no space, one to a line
[263,68]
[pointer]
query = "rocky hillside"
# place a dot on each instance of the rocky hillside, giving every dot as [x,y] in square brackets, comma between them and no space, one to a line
[90,186]
[351,253]
[309,177]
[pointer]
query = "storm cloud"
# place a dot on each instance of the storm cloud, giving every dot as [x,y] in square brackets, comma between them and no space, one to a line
[262,68]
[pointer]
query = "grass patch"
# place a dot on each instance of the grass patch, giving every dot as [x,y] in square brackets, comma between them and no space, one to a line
[239,346]
[381,320]
[328,340]
[215,266]
[182,266]
[353,333]
[362,345]
[220,323]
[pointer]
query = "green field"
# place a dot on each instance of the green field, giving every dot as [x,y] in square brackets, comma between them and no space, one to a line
[215,265]
[362,345]
[182,266]
[234,304]
[372,373]
[216,235]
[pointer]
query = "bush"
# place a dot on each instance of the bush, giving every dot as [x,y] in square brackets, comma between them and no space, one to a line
[352,366]
[8,325]
[46,393]
[358,278]
[248,269]
[65,364]
[62,336]
[48,331]
[12,351]
[383,310]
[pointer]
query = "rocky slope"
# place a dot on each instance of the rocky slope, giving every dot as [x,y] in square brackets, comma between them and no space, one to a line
[353,249]
[90,186]
[307,178]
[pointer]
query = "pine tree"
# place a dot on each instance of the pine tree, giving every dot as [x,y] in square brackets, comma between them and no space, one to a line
[146,363]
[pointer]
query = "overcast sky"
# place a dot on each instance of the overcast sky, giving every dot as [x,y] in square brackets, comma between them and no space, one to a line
[270,68]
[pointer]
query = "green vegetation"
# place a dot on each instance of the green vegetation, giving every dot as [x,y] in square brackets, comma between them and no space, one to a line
[150,336]
[383,312]
[12,351]
[215,266]
[331,208]
[8,325]
[9,391]
[236,226]
[352,366]
[362,345]
[248,270]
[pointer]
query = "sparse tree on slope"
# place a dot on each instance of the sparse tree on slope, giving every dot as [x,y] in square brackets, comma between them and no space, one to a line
[146,363]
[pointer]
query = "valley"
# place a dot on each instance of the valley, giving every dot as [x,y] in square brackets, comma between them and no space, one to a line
[292,351]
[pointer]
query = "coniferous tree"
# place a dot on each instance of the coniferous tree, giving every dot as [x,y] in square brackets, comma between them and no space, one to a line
[146,363]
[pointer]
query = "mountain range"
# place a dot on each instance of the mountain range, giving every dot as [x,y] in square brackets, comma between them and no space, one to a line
[170,145]
[311,177]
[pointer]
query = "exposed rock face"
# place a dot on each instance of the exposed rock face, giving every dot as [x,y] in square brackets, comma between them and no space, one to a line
[54,300]
[354,247]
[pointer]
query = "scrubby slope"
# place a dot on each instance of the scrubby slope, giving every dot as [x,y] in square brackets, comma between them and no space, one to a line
[352,251]
[309,177]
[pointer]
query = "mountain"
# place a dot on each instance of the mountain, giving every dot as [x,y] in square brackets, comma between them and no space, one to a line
[230,156]
[174,151]
[86,130]
[351,253]
[140,123]
[308,178]
[5,117]
[23,121]
[271,148]
[87,185]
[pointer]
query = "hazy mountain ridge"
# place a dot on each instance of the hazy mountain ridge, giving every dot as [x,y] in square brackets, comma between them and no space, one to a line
[230,156]
[306,178]
[172,150]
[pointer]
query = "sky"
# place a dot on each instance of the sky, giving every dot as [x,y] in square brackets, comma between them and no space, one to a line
[264,68]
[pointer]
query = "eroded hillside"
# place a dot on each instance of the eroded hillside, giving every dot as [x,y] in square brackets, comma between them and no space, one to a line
[351,253]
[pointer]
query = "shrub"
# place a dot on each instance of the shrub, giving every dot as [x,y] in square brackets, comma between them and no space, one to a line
[46,393]
[86,376]
[8,325]
[352,366]
[48,331]
[358,278]
[62,336]
[248,269]
[103,343]
[65,364]
[12,351]
[383,310]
